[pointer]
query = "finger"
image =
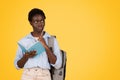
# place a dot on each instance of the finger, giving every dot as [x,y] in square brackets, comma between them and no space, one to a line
[27,52]
[42,33]
[32,55]
[39,38]
[34,51]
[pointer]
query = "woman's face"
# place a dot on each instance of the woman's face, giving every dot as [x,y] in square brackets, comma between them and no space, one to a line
[38,23]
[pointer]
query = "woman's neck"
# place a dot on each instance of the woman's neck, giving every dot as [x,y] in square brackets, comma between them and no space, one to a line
[37,34]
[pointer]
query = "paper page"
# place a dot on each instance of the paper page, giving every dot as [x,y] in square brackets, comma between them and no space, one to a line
[38,47]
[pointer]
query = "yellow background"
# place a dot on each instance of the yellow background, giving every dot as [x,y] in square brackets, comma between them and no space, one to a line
[89,30]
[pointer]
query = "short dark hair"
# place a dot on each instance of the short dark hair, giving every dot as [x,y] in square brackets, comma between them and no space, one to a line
[35,11]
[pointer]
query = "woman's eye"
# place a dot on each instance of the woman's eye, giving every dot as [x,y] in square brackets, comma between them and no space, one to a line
[35,22]
[39,21]
[42,21]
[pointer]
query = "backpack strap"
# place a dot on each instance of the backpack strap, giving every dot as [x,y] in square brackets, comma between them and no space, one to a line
[51,42]
[63,55]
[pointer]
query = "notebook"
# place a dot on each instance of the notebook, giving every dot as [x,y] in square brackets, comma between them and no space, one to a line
[38,47]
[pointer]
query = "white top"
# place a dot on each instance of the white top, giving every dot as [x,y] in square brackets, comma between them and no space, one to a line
[42,60]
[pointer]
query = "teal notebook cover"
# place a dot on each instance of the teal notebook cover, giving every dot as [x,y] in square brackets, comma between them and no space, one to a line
[38,47]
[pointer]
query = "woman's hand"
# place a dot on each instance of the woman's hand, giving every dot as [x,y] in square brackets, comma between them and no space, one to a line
[30,54]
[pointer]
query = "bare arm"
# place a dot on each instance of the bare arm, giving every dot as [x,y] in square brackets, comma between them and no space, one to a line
[51,57]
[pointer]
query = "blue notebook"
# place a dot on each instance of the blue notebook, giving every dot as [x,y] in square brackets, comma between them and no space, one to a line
[38,47]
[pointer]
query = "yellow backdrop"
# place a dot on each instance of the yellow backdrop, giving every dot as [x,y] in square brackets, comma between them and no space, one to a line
[89,30]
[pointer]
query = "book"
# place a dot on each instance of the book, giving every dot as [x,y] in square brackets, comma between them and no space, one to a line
[38,47]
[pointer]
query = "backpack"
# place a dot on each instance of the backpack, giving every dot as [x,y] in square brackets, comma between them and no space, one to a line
[58,74]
